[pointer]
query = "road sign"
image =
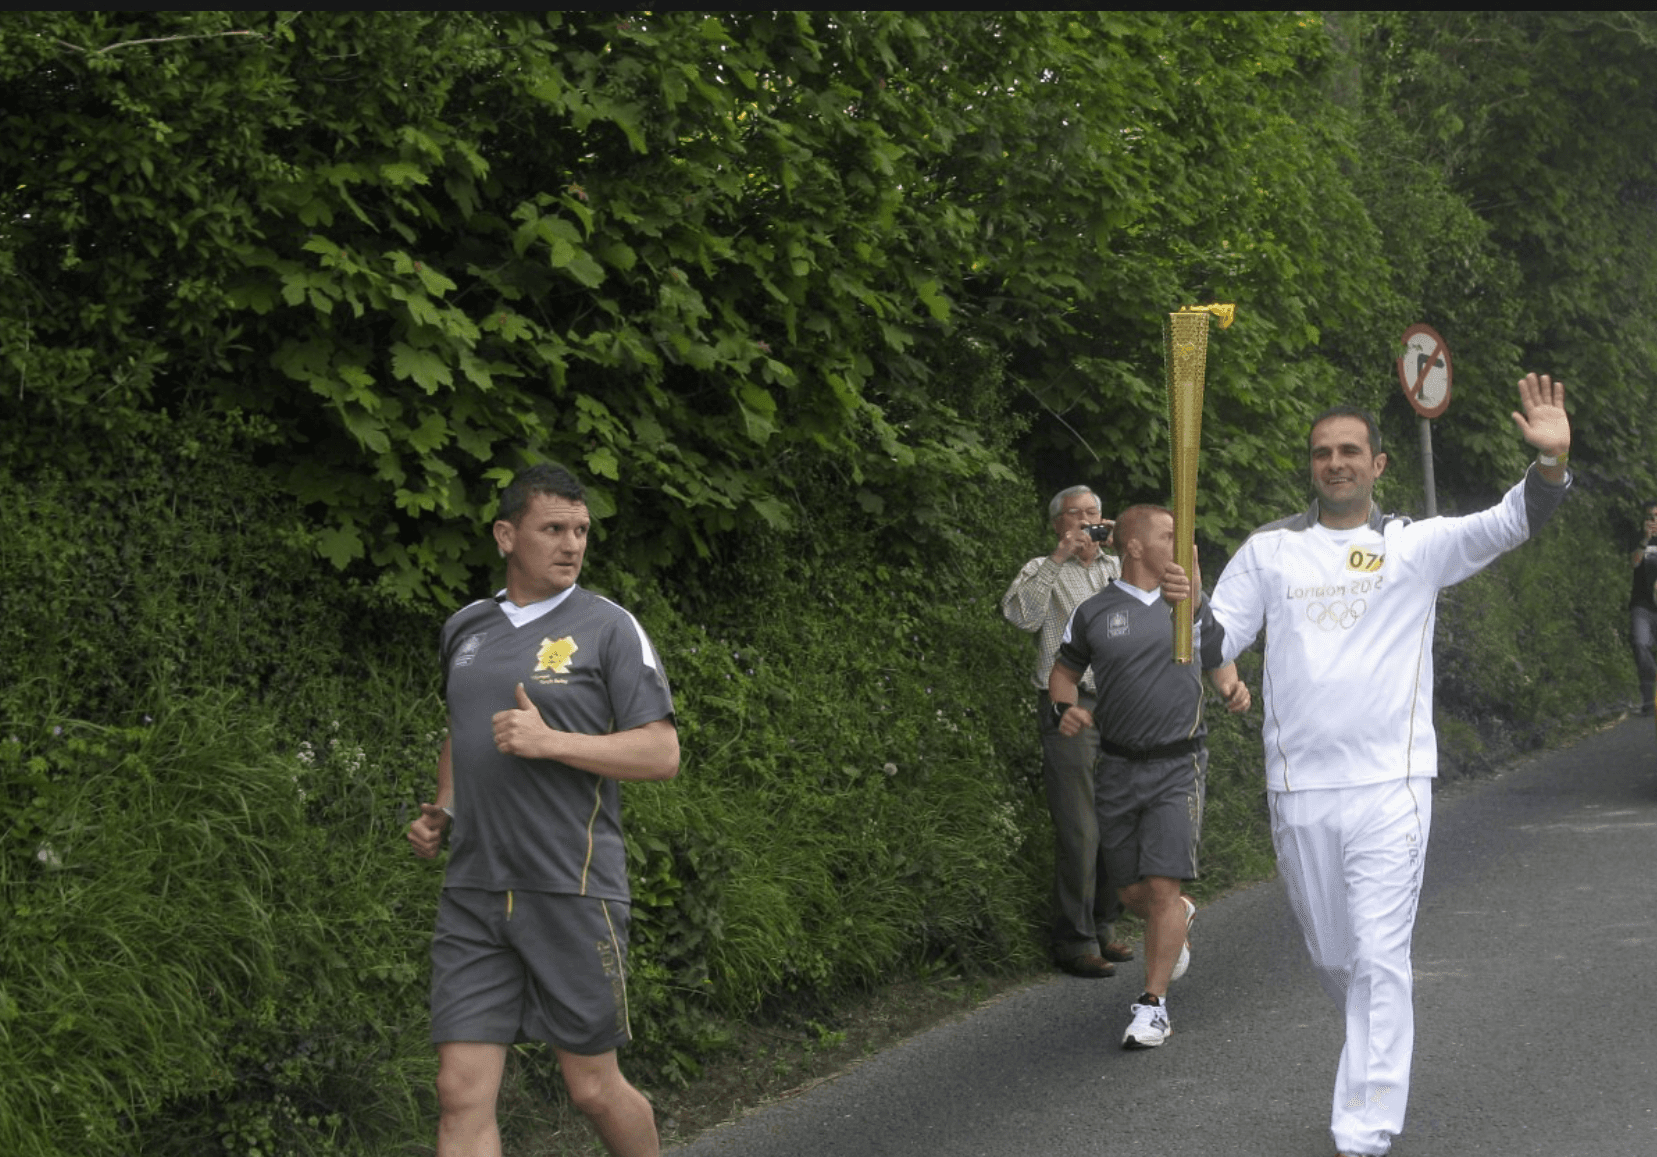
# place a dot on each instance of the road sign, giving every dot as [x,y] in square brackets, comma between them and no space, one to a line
[1424,370]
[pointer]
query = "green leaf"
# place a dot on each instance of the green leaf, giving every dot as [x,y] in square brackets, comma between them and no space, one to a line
[340,545]
[757,399]
[426,369]
[399,174]
[774,512]
[435,283]
[432,433]
[368,430]
[585,270]
[758,427]
[933,298]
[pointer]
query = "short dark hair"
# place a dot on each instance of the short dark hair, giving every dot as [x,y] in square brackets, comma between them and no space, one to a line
[545,478]
[1133,521]
[1357,412]
[1645,507]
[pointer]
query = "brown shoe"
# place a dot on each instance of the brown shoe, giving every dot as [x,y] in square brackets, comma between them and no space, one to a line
[1117,951]
[1092,967]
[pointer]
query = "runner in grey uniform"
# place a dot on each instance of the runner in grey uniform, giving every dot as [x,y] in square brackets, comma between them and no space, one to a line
[539,825]
[554,695]
[1151,776]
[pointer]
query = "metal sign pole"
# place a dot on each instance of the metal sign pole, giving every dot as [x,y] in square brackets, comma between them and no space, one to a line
[1427,466]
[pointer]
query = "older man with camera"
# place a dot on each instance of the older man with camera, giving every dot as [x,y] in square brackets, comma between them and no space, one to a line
[1048,588]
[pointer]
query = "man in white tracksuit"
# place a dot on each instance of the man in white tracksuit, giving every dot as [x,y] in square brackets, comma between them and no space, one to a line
[1347,600]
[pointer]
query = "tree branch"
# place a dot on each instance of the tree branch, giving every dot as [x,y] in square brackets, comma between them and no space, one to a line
[154,40]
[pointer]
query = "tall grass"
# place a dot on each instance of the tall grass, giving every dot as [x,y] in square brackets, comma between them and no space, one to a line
[139,871]
[210,944]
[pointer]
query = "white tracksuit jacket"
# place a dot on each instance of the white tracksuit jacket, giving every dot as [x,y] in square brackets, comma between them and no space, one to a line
[1348,615]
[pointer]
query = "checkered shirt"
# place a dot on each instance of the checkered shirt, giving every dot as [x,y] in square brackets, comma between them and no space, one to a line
[1042,598]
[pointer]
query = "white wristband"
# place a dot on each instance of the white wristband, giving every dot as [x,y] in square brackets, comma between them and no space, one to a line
[1551,460]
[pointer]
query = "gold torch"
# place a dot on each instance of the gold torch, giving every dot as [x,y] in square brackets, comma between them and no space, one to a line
[1185,341]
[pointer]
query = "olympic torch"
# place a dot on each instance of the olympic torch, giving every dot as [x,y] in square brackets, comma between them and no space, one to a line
[1185,342]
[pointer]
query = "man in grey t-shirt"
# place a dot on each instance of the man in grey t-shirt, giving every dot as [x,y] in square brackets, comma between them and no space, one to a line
[554,695]
[1151,776]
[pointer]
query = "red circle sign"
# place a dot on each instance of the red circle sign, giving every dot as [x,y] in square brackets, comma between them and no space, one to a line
[1424,370]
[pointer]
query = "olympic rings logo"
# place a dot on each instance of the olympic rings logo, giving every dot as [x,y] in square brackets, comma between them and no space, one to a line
[1337,614]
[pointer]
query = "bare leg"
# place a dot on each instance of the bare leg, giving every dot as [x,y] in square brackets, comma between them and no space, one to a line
[468,1082]
[1155,899]
[619,1112]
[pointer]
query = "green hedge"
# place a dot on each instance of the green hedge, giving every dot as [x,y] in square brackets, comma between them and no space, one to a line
[210,931]
[853,804]
[1538,642]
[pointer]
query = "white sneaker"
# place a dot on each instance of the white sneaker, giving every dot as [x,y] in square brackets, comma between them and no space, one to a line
[1184,961]
[1149,1028]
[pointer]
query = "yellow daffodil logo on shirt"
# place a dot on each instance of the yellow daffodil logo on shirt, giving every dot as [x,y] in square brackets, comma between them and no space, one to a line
[554,655]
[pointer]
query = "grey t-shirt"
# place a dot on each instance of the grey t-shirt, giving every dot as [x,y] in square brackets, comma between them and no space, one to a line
[1145,698]
[541,825]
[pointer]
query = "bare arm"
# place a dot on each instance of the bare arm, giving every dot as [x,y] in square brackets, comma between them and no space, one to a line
[1232,689]
[648,752]
[1062,684]
[426,832]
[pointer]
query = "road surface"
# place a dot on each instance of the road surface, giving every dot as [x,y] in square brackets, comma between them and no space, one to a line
[1536,1012]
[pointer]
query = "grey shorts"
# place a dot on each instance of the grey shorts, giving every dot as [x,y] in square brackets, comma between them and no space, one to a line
[1150,815]
[516,966]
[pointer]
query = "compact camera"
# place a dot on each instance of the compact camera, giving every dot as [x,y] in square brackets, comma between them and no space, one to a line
[1100,532]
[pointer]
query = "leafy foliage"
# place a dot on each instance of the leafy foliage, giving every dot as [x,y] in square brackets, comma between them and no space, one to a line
[818,302]
[404,241]
[1540,639]
[1522,142]
[695,256]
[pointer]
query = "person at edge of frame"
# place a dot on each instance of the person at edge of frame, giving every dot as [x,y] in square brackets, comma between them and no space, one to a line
[1347,600]
[1151,776]
[1642,609]
[1040,600]
[555,695]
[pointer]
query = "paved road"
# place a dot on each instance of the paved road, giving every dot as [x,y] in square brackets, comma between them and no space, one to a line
[1536,1012]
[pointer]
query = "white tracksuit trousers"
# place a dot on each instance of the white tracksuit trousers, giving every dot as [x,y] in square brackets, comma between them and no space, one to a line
[1351,859]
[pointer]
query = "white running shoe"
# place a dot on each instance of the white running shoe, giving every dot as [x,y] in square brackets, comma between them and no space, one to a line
[1149,1028]
[1184,961]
